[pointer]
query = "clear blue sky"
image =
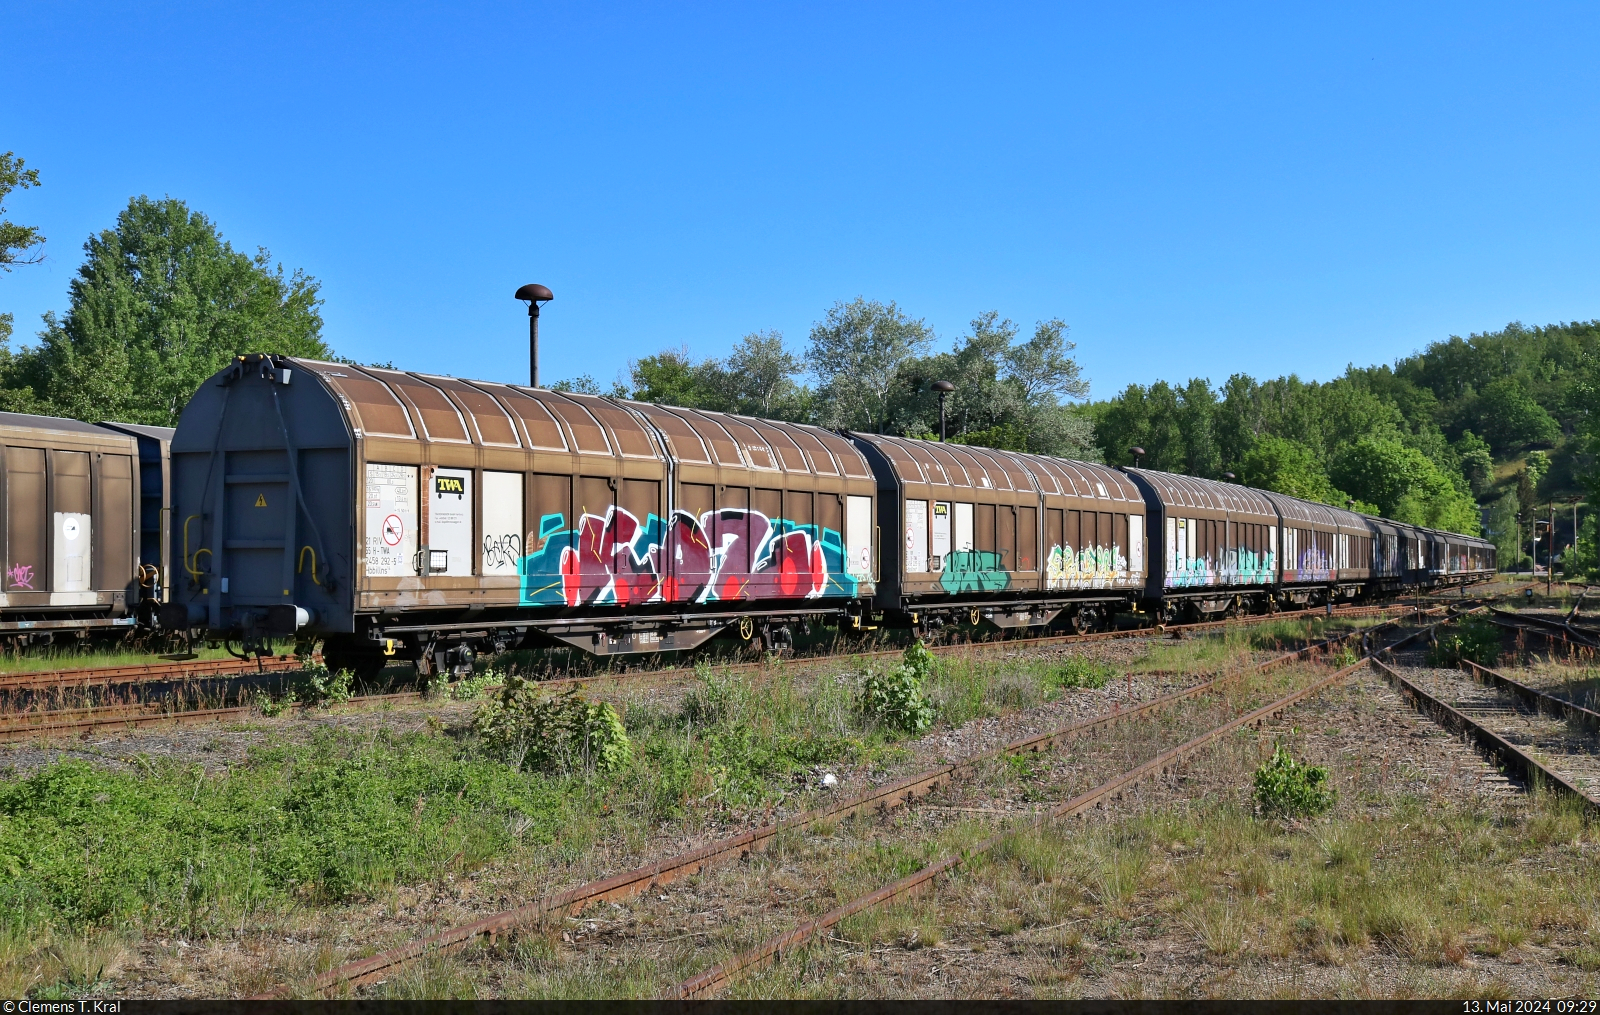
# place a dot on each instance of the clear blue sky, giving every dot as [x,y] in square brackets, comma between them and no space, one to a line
[1197,189]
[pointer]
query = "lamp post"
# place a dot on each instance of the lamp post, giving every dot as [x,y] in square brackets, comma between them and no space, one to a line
[1230,477]
[534,295]
[1137,454]
[943,388]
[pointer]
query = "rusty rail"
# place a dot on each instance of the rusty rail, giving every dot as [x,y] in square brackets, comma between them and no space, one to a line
[1540,700]
[24,725]
[1532,772]
[637,881]
[143,673]
[773,949]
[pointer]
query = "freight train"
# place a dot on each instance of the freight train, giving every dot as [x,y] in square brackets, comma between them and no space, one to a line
[398,515]
[83,526]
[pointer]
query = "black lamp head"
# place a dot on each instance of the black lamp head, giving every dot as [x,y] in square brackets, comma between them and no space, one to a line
[1230,477]
[1136,452]
[533,292]
[943,387]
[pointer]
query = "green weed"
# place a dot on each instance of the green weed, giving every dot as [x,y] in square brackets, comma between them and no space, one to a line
[894,698]
[1474,639]
[170,846]
[1080,672]
[564,733]
[1285,787]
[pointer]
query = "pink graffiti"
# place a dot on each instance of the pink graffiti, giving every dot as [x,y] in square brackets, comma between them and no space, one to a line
[20,576]
[723,555]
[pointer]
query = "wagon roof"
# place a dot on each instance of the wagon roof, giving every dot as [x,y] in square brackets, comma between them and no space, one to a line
[974,467]
[1206,494]
[449,410]
[160,433]
[1296,510]
[22,420]
[701,436]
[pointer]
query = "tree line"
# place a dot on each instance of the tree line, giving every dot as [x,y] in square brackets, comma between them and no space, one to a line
[869,366]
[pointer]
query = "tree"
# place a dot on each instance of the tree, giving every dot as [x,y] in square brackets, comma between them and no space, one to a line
[1286,466]
[1510,418]
[1477,464]
[761,374]
[16,241]
[1041,368]
[857,351]
[160,303]
[672,377]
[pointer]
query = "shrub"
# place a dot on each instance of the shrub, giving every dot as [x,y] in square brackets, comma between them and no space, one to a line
[565,733]
[1287,788]
[1080,672]
[472,688]
[317,684]
[895,699]
[1475,639]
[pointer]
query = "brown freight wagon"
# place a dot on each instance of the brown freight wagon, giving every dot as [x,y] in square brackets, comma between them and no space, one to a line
[993,535]
[1219,541]
[71,526]
[424,517]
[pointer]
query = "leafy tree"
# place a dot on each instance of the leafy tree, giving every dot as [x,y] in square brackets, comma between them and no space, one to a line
[16,240]
[1511,418]
[761,377]
[160,303]
[1042,368]
[1286,466]
[1477,464]
[583,384]
[1008,394]
[1502,529]
[672,377]
[858,350]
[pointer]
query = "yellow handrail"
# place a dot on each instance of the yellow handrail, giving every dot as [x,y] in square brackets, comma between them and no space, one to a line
[301,564]
[191,565]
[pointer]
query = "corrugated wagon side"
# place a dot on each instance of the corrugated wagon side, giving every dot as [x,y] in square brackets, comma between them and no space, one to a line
[409,515]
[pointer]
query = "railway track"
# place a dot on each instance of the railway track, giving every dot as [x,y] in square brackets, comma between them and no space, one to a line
[1544,740]
[145,673]
[1534,741]
[24,725]
[773,948]
[881,799]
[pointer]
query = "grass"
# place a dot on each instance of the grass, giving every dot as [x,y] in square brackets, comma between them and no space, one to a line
[98,653]
[94,857]
[1415,883]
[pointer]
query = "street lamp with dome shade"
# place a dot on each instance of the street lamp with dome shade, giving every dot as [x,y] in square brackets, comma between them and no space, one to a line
[535,296]
[943,388]
[1230,477]
[1137,454]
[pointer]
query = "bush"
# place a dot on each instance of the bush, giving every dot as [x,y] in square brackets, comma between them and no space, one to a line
[1080,672]
[894,698]
[472,688]
[566,733]
[1287,788]
[1475,639]
[314,684]
[317,684]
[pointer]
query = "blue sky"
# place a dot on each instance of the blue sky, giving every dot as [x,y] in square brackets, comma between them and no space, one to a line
[1196,189]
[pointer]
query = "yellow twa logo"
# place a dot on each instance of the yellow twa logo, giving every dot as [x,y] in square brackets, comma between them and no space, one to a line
[261,500]
[449,484]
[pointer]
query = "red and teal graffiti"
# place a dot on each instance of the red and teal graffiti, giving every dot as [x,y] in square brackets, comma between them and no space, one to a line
[724,555]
